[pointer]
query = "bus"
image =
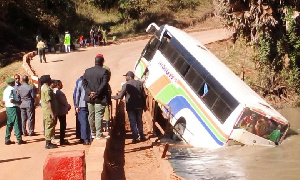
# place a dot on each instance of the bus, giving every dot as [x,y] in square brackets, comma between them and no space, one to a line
[209,106]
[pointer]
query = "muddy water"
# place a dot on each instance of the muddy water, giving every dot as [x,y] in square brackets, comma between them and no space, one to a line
[248,162]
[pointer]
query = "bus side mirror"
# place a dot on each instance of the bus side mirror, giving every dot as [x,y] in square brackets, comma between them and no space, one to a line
[152,27]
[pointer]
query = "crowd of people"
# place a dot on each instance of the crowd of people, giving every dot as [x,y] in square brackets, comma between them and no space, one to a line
[92,102]
[94,38]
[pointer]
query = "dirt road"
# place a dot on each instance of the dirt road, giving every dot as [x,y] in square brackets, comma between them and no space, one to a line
[26,161]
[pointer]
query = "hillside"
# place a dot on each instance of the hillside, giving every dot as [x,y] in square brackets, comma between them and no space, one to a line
[21,22]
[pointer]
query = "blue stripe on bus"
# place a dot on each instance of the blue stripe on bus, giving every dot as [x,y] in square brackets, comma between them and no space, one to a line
[179,103]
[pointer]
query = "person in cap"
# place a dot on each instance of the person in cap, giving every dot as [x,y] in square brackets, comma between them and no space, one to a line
[27,94]
[135,103]
[12,103]
[49,108]
[95,80]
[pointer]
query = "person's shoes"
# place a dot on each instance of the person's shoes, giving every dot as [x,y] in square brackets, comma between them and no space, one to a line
[25,134]
[9,142]
[105,136]
[143,138]
[64,142]
[98,137]
[86,143]
[93,136]
[49,145]
[21,142]
[135,140]
[32,134]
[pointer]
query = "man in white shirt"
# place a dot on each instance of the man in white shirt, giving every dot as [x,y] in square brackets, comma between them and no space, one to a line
[12,103]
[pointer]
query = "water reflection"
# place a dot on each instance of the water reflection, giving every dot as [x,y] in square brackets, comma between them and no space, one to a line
[247,162]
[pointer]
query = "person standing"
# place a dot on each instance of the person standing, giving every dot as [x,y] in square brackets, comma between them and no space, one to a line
[82,112]
[61,42]
[63,109]
[12,101]
[104,36]
[94,82]
[41,50]
[67,42]
[17,81]
[49,107]
[27,94]
[52,44]
[106,115]
[92,36]
[16,85]
[135,103]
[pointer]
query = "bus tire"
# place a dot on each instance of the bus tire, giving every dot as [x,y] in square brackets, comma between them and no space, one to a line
[179,129]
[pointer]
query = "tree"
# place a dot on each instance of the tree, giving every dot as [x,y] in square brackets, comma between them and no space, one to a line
[273,28]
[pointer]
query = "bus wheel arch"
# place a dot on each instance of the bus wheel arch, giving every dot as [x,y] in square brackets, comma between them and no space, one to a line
[179,128]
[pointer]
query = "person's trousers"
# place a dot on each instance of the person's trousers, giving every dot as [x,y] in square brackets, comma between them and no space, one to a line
[41,53]
[85,130]
[63,126]
[78,128]
[49,127]
[106,116]
[96,112]
[27,115]
[12,122]
[136,122]
[67,48]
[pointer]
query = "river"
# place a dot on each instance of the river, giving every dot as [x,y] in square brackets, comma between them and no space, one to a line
[247,162]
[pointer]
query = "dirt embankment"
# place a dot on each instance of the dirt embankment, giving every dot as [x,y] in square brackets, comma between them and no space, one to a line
[126,160]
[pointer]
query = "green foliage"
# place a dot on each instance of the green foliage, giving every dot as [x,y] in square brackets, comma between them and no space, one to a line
[272,29]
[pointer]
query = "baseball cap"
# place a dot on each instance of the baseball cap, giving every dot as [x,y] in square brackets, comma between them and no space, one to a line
[9,80]
[99,55]
[130,74]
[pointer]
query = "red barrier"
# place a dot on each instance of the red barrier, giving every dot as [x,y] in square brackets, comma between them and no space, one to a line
[65,165]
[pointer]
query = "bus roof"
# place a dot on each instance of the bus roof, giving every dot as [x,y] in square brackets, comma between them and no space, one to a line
[230,81]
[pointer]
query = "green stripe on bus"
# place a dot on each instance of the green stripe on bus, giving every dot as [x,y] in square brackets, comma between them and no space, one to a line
[142,68]
[168,93]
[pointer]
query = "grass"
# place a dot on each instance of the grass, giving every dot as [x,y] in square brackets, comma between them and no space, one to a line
[9,71]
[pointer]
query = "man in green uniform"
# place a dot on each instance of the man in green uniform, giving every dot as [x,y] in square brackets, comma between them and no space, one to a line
[12,103]
[49,107]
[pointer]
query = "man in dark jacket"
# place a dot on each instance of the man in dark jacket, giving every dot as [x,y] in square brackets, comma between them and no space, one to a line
[27,94]
[135,103]
[94,82]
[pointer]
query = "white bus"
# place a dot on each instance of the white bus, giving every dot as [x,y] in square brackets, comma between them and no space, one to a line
[208,104]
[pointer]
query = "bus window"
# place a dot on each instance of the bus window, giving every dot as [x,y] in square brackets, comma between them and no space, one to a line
[190,75]
[151,48]
[169,51]
[179,62]
[221,110]
[210,98]
[173,56]
[229,99]
[184,68]
[197,82]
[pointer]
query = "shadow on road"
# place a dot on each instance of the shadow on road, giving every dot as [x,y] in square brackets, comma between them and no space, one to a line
[57,60]
[14,159]
[114,158]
